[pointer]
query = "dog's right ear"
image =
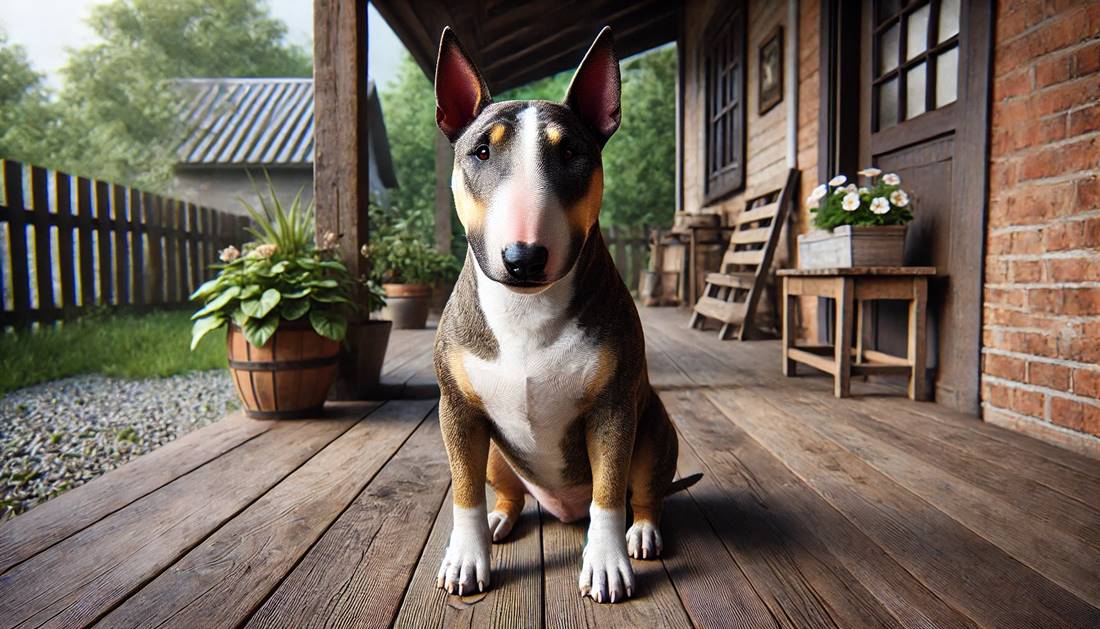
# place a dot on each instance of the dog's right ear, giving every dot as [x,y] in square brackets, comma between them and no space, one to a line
[460,92]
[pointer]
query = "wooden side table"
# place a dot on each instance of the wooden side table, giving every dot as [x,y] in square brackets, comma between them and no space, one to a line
[851,288]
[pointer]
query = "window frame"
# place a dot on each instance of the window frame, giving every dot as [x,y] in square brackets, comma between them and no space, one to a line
[729,178]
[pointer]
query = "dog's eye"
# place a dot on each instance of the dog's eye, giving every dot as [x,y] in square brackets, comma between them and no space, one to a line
[482,152]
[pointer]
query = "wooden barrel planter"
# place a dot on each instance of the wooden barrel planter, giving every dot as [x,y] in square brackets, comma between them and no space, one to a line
[288,377]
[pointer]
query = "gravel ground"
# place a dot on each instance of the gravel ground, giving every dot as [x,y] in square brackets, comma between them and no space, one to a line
[61,434]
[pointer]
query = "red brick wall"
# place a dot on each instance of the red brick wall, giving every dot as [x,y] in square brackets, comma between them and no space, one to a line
[1041,328]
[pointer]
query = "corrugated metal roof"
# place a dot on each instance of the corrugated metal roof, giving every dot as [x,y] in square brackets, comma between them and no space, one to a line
[247,122]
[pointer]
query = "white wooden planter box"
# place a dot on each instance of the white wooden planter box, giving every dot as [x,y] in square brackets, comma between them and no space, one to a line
[849,246]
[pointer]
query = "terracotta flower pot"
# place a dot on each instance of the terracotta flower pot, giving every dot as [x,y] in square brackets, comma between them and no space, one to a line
[289,376]
[407,305]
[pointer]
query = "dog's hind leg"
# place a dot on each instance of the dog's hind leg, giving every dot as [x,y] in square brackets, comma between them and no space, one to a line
[652,468]
[509,490]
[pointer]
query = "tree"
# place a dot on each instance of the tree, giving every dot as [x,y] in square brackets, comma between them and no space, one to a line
[119,110]
[27,118]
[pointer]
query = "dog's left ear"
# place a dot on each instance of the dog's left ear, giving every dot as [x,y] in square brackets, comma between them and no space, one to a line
[595,91]
[460,92]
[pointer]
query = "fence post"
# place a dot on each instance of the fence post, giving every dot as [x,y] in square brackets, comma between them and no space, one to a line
[154,219]
[63,189]
[121,219]
[137,247]
[84,236]
[193,249]
[17,234]
[103,230]
[40,218]
[171,250]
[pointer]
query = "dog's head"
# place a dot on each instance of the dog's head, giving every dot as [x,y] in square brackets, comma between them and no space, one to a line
[528,176]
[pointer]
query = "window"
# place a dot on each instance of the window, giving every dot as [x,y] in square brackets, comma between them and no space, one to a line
[916,52]
[724,75]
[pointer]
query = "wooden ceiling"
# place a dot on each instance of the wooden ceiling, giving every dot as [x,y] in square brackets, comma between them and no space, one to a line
[514,43]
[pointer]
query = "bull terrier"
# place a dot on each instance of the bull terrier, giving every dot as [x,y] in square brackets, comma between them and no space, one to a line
[540,356]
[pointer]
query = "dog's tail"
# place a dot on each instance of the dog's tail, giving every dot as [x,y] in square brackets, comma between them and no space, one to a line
[684,483]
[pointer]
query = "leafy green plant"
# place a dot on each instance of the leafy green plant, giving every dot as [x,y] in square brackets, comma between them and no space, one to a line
[882,202]
[281,276]
[399,253]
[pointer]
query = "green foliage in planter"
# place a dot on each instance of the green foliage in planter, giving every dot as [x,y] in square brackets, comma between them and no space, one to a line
[882,202]
[281,275]
[398,252]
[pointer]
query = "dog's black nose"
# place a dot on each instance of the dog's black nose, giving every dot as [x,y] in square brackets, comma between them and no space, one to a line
[524,261]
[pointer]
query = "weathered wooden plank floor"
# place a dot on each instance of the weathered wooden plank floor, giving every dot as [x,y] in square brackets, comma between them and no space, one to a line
[813,512]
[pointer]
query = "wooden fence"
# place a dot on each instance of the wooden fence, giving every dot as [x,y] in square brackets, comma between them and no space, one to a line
[82,243]
[630,250]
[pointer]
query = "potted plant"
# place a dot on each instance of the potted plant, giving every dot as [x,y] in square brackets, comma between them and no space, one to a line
[286,302]
[367,341]
[407,267]
[857,226]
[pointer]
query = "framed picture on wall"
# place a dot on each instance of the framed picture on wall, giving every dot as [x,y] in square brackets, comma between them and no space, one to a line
[770,72]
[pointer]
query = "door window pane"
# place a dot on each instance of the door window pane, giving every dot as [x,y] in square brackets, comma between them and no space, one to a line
[914,91]
[947,77]
[888,50]
[917,32]
[887,9]
[888,104]
[949,20]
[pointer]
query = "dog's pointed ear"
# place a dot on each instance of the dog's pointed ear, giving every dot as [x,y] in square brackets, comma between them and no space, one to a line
[460,92]
[595,91]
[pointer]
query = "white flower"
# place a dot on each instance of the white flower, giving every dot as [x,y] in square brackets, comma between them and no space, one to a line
[863,190]
[264,251]
[851,188]
[329,240]
[364,251]
[891,179]
[841,190]
[818,193]
[839,180]
[851,202]
[879,205]
[899,198]
[813,203]
[870,172]
[229,254]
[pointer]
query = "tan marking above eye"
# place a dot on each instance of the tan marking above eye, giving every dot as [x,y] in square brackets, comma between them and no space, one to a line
[496,134]
[553,134]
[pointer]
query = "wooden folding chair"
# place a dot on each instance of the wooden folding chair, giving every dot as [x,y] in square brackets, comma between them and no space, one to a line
[733,294]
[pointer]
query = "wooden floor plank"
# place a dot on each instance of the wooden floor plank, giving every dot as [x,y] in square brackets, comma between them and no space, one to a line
[225,578]
[1060,556]
[60,517]
[514,598]
[811,565]
[84,576]
[655,603]
[356,574]
[957,564]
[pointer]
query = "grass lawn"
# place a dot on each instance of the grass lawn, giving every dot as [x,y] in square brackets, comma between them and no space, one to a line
[126,345]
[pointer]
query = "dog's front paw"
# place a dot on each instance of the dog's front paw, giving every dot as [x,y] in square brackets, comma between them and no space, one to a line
[500,525]
[643,540]
[606,575]
[465,566]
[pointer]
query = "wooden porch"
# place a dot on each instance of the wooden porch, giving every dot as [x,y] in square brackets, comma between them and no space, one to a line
[813,512]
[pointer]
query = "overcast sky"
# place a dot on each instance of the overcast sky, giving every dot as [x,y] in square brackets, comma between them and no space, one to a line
[47,28]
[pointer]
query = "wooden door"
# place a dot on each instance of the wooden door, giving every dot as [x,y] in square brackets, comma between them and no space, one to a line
[924,82]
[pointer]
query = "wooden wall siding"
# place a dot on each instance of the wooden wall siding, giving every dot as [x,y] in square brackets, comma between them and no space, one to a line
[1041,325]
[809,107]
[765,165]
[630,250]
[68,244]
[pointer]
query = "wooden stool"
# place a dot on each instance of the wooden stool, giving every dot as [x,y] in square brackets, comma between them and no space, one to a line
[851,287]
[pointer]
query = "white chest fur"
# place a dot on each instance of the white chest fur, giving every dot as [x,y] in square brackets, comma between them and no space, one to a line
[534,387]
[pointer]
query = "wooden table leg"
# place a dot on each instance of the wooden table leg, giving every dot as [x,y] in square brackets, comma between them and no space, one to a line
[789,368]
[917,342]
[845,292]
[860,314]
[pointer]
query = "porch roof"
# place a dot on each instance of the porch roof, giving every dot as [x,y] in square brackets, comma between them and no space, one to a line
[514,43]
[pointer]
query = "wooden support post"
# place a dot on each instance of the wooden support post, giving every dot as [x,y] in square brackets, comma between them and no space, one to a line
[844,295]
[789,368]
[917,342]
[340,167]
[444,164]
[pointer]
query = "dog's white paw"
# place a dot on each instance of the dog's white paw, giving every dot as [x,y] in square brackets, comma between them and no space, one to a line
[643,540]
[500,525]
[465,566]
[606,575]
